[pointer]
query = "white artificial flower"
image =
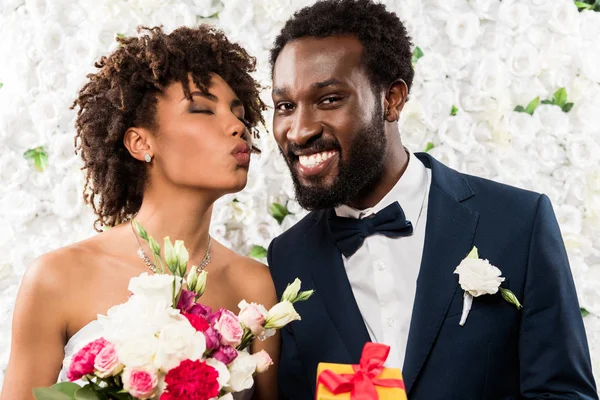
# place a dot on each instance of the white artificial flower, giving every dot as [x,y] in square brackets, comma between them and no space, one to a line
[548,153]
[14,169]
[485,9]
[463,29]
[491,77]
[445,154]
[241,369]
[522,128]
[178,341]
[19,206]
[68,201]
[431,67]
[524,60]
[154,286]
[564,18]
[7,276]
[480,164]
[555,122]
[457,132]
[514,15]
[582,152]
[590,59]
[569,218]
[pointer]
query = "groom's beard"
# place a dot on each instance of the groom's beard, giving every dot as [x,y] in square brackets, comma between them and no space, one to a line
[357,176]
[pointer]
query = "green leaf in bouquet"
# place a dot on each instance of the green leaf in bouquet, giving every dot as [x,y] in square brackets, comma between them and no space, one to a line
[454,111]
[584,312]
[417,53]
[258,252]
[547,102]
[68,388]
[50,394]
[583,6]
[533,104]
[87,393]
[39,157]
[567,107]
[519,109]
[560,97]
[303,296]
[1,84]
[279,212]
[429,146]
[140,230]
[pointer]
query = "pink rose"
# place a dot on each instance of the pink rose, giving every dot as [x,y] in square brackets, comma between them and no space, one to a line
[229,327]
[252,316]
[83,361]
[263,361]
[140,383]
[225,354]
[107,363]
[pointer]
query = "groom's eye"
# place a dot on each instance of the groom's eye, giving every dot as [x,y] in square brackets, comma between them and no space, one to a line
[330,100]
[284,106]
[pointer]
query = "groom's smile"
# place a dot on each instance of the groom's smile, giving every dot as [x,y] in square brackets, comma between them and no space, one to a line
[327,121]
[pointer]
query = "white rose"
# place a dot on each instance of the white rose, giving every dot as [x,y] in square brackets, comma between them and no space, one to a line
[178,341]
[431,67]
[522,128]
[479,164]
[491,76]
[564,18]
[19,206]
[222,370]
[159,286]
[457,132]
[593,179]
[514,15]
[456,60]
[203,8]
[7,276]
[555,122]
[280,315]
[463,29]
[581,151]
[569,218]
[588,117]
[51,74]
[478,277]
[548,154]
[524,60]
[522,90]
[14,169]
[589,52]
[589,23]
[138,352]
[485,9]
[437,100]
[176,15]
[68,200]
[241,369]
[53,38]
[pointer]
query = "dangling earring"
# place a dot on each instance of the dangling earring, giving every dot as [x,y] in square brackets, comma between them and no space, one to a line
[147,157]
[387,113]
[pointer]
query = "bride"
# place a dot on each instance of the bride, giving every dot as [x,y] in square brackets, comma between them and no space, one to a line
[164,130]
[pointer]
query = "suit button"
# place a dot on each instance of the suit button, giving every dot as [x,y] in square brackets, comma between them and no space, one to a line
[380,265]
[390,322]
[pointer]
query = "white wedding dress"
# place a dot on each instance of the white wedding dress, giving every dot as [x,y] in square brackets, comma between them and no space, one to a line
[93,331]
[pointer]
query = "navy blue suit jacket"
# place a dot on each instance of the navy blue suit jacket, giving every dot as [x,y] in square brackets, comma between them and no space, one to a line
[540,352]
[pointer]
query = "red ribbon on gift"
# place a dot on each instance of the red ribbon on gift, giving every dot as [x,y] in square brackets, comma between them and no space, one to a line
[361,384]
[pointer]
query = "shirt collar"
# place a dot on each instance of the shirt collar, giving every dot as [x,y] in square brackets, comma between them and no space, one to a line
[409,191]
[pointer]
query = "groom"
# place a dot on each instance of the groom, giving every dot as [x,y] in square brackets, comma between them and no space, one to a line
[389,227]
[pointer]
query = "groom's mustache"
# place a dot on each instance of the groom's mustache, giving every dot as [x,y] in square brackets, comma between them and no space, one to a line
[315,145]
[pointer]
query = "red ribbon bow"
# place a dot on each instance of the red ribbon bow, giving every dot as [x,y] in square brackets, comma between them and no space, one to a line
[361,384]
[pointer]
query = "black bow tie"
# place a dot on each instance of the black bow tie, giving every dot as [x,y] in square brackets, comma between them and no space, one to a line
[350,233]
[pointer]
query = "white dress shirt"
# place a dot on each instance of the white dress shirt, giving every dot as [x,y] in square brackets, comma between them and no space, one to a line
[383,272]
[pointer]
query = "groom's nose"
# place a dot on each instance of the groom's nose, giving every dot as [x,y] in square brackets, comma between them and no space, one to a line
[304,126]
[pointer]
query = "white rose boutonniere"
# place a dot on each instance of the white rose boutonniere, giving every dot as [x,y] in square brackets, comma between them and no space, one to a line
[478,277]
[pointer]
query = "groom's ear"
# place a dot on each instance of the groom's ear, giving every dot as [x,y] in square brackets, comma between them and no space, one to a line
[138,143]
[395,98]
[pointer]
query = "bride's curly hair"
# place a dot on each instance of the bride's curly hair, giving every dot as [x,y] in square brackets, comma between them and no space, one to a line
[122,94]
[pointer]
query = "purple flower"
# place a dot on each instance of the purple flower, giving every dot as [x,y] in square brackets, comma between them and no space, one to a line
[225,354]
[187,304]
[213,338]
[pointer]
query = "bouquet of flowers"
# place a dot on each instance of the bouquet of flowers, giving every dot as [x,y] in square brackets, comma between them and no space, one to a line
[162,344]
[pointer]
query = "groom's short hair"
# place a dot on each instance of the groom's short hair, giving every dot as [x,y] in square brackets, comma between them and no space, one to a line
[387,46]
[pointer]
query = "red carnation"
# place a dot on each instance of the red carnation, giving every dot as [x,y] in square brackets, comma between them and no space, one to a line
[198,322]
[193,380]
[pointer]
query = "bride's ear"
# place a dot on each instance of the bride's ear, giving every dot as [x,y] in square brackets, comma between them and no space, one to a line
[137,142]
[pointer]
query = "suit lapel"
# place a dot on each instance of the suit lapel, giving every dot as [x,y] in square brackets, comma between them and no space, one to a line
[448,239]
[332,285]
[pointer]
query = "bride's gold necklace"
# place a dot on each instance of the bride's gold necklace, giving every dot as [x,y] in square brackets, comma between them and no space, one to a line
[152,267]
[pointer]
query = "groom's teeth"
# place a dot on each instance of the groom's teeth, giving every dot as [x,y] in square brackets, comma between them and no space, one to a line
[315,159]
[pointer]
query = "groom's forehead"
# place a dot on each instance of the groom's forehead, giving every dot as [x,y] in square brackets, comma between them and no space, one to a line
[308,61]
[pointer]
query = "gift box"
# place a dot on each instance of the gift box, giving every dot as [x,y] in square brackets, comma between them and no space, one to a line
[367,380]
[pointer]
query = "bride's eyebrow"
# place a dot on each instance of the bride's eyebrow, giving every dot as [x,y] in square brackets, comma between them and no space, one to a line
[234,103]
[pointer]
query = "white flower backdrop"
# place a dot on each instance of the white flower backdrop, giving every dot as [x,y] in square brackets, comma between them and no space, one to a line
[476,61]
